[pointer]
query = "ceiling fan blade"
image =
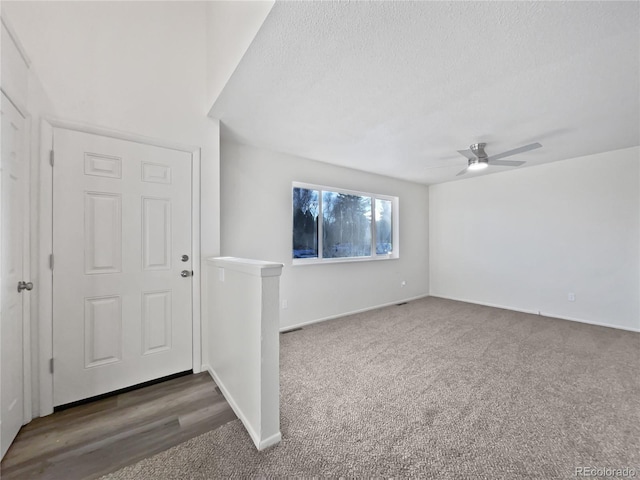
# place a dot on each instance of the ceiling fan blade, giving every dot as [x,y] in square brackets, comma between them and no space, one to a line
[467,154]
[515,151]
[506,163]
[462,172]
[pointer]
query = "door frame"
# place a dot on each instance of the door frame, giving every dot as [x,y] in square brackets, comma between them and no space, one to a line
[45,310]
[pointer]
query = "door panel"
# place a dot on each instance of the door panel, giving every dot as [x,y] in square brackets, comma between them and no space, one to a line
[156,321]
[156,233]
[122,313]
[102,233]
[102,330]
[13,165]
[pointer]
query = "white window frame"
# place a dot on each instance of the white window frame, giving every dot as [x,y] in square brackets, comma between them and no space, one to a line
[395,221]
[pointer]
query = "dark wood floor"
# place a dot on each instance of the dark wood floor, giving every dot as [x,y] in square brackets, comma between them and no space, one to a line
[91,440]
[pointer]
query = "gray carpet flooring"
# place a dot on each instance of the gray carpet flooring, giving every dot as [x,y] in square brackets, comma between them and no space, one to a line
[436,389]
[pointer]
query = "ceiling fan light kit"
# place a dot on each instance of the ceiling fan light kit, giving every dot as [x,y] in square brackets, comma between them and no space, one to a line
[477,165]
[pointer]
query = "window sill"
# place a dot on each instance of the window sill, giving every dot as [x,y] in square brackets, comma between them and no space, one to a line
[295,262]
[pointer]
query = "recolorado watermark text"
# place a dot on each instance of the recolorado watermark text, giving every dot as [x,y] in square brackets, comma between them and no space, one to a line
[604,472]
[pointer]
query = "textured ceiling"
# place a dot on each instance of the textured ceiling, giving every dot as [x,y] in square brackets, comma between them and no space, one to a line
[397,87]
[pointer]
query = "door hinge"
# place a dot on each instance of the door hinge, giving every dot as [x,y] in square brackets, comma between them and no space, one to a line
[51,155]
[51,365]
[51,261]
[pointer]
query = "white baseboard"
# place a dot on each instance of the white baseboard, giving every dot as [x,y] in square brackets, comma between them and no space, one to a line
[272,440]
[541,313]
[345,314]
[589,322]
[260,443]
[484,304]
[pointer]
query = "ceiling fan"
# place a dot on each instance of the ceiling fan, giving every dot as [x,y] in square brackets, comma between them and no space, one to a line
[478,158]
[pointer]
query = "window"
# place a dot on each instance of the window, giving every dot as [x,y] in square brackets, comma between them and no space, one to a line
[332,225]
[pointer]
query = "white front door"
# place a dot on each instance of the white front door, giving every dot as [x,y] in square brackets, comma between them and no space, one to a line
[13,171]
[122,309]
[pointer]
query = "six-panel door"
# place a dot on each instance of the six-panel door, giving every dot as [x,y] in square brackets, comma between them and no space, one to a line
[122,223]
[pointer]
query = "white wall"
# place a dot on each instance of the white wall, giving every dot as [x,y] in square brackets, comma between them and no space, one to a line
[525,238]
[256,223]
[137,67]
[231,27]
[245,348]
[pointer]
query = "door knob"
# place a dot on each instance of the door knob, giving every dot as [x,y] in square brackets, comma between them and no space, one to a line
[185,273]
[24,286]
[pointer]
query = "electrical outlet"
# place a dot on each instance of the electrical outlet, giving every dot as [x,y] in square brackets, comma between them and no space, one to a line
[571,297]
[285,304]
